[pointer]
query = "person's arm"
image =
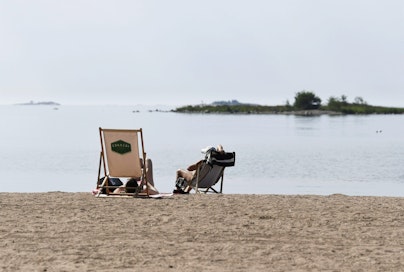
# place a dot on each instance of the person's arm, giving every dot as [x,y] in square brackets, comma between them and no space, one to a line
[194,166]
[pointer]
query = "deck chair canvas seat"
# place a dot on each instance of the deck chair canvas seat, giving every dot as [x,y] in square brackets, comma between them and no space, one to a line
[121,156]
[211,171]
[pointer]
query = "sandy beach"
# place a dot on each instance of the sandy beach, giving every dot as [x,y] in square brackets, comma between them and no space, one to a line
[59,231]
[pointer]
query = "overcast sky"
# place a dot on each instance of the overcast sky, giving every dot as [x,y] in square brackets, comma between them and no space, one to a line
[184,52]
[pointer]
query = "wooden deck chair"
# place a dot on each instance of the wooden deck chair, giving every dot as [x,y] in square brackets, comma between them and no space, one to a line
[211,171]
[120,157]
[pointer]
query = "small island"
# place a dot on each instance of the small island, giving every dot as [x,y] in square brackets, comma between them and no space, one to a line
[46,103]
[306,104]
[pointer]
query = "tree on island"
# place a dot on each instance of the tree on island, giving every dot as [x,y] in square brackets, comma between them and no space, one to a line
[307,101]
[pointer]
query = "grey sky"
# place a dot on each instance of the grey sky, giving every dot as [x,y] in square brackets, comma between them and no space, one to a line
[184,52]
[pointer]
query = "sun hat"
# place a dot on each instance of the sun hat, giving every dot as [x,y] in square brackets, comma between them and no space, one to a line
[207,149]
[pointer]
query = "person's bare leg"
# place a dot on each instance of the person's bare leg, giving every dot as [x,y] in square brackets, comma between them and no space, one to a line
[187,175]
[149,171]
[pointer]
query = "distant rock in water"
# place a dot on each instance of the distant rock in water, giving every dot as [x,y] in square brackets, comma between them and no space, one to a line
[45,103]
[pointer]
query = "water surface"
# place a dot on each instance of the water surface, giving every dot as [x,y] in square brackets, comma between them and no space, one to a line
[44,149]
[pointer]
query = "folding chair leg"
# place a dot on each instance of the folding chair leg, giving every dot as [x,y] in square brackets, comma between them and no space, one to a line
[102,185]
[221,183]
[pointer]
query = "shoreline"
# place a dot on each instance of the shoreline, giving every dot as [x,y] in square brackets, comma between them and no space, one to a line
[58,231]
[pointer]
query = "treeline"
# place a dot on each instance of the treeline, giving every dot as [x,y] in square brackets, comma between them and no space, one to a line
[242,108]
[359,106]
[305,102]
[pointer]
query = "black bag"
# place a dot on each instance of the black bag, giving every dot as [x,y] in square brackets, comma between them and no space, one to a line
[111,182]
[180,183]
[131,186]
[221,159]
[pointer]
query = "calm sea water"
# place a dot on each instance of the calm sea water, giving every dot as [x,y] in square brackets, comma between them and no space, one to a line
[44,149]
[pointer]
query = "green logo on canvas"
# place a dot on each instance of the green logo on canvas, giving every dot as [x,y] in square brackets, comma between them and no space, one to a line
[121,147]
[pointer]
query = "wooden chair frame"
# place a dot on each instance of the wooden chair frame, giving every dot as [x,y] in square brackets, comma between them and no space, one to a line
[105,165]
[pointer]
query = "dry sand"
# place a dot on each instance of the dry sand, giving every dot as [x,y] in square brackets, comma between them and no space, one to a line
[78,232]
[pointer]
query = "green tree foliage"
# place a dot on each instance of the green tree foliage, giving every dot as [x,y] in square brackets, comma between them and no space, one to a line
[359,100]
[359,106]
[334,104]
[307,101]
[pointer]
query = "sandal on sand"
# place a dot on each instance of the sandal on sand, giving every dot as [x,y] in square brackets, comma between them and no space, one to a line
[179,191]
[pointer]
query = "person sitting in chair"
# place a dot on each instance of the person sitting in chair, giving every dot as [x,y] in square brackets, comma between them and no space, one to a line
[185,176]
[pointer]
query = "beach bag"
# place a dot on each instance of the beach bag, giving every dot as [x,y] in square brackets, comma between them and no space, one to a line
[131,186]
[180,183]
[111,182]
[225,159]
